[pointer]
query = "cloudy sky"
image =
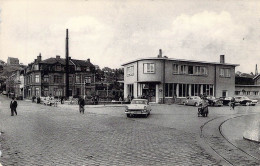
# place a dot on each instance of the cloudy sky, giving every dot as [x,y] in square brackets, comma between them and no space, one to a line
[113,32]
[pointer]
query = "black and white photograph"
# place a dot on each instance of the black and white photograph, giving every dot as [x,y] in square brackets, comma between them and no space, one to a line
[129,83]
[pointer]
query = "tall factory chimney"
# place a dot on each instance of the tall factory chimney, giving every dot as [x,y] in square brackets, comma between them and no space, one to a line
[67,65]
[256,70]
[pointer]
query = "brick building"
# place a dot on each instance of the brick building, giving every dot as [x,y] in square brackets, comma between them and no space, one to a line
[47,77]
[12,61]
[160,78]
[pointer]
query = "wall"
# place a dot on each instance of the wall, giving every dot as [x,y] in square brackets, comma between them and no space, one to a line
[223,83]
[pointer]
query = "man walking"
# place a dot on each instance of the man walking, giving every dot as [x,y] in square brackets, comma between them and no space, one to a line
[13,106]
[81,105]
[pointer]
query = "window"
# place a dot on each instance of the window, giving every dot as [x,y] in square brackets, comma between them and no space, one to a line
[183,69]
[78,79]
[46,78]
[203,71]
[237,92]
[175,69]
[248,93]
[224,72]
[190,69]
[256,93]
[37,78]
[37,91]
[57,79]
[87,69]
[87,79]
[130,71]
[148,67]
[36,67]
[78,68]
[58,67]
[70,79]
[227,72]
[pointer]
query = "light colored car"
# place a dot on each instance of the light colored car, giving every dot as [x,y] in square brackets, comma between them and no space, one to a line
[138,107]
[244,100]
[192,100]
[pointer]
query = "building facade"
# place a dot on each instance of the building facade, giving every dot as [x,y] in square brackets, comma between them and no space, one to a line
[47,77]
[12,61]
[160,79]
[15,83]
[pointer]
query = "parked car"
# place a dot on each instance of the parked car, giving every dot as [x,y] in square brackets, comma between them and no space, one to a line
[4,93]
[193,100]
[244,100]
[213,101]
[225,100]
[138,107]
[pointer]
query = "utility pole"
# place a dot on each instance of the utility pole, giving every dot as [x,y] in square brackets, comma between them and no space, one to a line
[67,65]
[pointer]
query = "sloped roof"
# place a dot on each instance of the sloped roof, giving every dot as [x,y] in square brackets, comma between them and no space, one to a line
[82,63]
[256,77]
[55,60]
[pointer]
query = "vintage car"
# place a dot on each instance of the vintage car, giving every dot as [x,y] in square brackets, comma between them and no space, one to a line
[138,107]
[213,101]
[225,100]
[192,100]
[244,100]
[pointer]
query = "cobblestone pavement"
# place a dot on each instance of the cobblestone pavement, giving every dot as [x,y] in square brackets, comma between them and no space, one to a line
[44,135]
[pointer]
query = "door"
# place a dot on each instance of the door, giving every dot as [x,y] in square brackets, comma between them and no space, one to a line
[224,93]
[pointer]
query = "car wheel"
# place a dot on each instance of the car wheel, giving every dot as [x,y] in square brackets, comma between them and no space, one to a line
[184,103]
[146,115]
[128,115]
[196,104]
[247,103]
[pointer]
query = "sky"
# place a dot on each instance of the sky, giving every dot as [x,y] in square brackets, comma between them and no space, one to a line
[111,33]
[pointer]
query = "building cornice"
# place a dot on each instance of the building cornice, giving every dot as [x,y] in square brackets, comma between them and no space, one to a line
[180,60]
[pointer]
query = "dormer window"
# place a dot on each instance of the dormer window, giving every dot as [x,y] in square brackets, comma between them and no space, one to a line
[36,67]
[58,67]
[78,68]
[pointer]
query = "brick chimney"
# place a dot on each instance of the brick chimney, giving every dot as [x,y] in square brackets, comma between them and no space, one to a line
[160,53]
[88,60]
[222,58]
[39,58]
[57,57]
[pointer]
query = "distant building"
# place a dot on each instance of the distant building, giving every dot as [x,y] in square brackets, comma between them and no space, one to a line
[2,62]
[47,77]
[12,61]
[160,78]
[248,85]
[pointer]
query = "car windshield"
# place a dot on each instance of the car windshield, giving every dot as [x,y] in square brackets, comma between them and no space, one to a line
[246,98]
[138,102]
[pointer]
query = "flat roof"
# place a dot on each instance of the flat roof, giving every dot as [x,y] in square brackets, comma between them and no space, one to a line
[181,60]
[247,85]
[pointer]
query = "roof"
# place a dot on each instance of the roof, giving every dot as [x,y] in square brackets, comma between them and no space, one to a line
[247,85]
[256,77]
[181,60]
[63,62]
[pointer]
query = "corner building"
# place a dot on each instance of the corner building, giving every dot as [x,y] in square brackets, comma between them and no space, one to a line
[160,79]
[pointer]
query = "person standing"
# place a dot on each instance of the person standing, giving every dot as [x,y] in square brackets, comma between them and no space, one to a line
[232,103]
[81,105]
[13,106]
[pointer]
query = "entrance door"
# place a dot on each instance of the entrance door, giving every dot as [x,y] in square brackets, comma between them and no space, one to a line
[149,91]
[224,93]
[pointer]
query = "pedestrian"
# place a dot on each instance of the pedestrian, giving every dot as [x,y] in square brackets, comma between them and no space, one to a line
[81,105]
[61,99]
[13,106]
[232,103]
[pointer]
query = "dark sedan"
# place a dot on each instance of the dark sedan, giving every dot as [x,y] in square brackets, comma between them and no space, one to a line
[214,101]
[225,100]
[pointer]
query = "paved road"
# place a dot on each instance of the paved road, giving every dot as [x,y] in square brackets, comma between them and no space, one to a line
[44,135]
